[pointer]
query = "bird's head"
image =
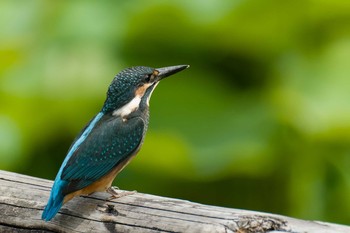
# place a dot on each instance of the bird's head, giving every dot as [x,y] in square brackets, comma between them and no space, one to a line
[132,88]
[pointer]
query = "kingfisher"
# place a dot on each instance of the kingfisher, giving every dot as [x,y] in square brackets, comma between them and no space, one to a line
[110,140]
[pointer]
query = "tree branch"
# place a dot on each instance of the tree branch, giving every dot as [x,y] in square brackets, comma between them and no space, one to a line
[22,199]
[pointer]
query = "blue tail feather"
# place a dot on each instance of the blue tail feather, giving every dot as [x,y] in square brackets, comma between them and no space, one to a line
[55,201]
[52,207]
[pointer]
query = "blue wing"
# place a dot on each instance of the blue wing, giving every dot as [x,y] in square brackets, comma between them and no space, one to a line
[110,142]
[104,143]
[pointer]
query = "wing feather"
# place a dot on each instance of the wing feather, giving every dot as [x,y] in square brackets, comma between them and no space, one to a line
[107,145]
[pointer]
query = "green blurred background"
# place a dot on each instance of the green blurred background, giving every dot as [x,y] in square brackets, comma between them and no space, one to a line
[260,121]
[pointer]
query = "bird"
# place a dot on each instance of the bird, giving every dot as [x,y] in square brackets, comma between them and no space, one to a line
[110,140]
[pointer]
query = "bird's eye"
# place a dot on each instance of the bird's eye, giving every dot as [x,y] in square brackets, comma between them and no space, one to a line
[151,77]
[148,78]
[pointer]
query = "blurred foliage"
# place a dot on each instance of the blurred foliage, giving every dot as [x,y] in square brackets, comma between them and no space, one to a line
[260,121]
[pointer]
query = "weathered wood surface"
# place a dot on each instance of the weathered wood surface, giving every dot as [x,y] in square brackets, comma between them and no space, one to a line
[22,199]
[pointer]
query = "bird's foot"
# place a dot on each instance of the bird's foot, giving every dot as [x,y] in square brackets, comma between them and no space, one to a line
[116,194]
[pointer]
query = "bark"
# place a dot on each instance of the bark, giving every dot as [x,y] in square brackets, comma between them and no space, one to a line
[22,199]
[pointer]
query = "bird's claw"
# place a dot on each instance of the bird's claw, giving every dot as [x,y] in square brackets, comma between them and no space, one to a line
[115,194]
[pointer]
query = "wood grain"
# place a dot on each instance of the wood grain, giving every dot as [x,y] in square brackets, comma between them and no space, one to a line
[22,199]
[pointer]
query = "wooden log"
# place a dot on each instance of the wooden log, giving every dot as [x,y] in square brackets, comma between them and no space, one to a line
[22,199]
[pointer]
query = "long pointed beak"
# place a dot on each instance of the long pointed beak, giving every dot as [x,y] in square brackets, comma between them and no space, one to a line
[170,70]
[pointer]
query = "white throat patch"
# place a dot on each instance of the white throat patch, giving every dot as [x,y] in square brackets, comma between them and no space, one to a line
[134,104]
[128,108]
[155,85]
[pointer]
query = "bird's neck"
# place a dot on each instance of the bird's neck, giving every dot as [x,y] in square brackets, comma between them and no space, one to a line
[138,106]
[128,108]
